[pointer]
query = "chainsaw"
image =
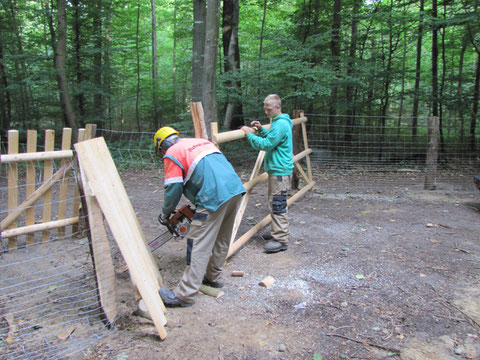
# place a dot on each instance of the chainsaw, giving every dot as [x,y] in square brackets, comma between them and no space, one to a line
[177,227]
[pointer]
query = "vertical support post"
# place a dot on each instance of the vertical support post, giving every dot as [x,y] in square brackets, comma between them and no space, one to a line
[30,183]
[62,194]
[47,174]
[12,183]
[432,154]
[297,148]
[76,195]
[306,147]
[214,131]
[196,109]
[91,130]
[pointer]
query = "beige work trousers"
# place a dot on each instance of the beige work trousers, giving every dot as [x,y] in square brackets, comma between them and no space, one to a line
[211,233]
[278,187]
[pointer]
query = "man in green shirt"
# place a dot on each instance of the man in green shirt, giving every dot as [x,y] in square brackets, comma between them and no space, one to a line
[278,163]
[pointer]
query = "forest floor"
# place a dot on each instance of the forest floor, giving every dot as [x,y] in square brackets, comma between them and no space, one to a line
[391,274]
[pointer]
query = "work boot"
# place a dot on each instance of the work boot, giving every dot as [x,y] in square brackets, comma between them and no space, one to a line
[267,236]
[214,284]
[170,300]
[275,246]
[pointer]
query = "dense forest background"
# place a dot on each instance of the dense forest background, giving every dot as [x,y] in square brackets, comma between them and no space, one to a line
[137,64]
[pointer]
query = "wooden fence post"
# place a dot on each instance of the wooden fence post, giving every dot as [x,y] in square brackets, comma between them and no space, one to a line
[12,183]
[297,147]
[62,194]
[196,109]
[30,183]
[47,174]
[432,154]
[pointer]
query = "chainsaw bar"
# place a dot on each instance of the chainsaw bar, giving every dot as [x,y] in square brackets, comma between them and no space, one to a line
[160,240]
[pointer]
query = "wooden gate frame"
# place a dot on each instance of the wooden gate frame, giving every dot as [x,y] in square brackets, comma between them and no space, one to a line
[255,179]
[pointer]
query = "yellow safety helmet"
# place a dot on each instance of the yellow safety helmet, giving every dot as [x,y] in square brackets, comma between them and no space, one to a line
[161,135]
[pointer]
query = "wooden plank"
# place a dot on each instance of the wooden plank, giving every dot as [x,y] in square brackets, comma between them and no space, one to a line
[103,178]
[62,192]
[38,227]
[46,186]
[30,183]
[76,194]
[101,254]
[12,174]
[47,174]
[196,110]
[36,156]
[264,222]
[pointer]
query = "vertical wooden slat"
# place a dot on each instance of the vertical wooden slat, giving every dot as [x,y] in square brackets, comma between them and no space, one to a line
[76,195]
[12,183]
[62,193]
[47,174]
[30,183]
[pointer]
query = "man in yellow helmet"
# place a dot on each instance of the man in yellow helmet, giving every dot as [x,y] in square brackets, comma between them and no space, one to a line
[198,170]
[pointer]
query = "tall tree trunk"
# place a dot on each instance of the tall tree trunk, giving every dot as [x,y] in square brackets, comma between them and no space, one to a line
[460,102]
[20,67]
[137,50]
[231,52]
[80,97]
[434,60]
[442,81]
[107,74]
[350,70]
[209,97]
[60,50]
[476,95]
[402,89]
[174,61]
[156,113]
[335,50]
[5,100]
[476,90]
[97,63]
[418,69]
[392,45]
[199,26]
[260,48]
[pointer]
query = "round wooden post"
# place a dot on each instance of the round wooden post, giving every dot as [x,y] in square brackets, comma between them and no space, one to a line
[432,154]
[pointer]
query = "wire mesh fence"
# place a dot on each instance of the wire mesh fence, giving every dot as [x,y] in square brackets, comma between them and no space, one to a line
[366,153]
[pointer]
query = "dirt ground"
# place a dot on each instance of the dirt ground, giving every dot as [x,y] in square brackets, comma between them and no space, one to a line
[388,274]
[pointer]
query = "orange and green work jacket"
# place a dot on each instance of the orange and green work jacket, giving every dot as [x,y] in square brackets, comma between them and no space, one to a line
[197,169]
